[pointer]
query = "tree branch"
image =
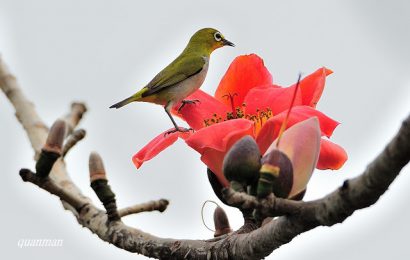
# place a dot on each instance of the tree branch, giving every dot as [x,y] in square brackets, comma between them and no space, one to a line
[295,217]
[154,205]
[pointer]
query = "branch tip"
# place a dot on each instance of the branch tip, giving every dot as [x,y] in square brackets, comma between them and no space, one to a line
[75,115]
[73,139]
[154,205]
[163,204]
[80,106]
[24,173]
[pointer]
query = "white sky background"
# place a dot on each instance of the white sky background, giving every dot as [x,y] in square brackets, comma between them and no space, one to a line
[102,51]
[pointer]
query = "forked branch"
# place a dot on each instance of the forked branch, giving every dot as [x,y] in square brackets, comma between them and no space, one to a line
[292,217]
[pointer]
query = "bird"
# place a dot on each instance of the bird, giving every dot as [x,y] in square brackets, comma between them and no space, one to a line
[181,77]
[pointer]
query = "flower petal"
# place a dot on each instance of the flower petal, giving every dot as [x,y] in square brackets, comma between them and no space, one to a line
[206,108]
[276,98]
[244,73]
[301,143]
[312,86]
[332,156]
[270,129]
[157,145]
[214,141]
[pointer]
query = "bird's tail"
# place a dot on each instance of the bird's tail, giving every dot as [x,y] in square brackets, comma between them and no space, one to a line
[126,101]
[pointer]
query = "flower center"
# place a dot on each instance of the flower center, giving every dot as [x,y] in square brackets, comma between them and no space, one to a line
[259,117]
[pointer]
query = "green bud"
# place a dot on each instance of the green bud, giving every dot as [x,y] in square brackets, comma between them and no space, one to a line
[242,163]
[268,174]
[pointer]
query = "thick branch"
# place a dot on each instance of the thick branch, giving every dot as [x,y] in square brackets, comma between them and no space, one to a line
[25,112]
[270,206]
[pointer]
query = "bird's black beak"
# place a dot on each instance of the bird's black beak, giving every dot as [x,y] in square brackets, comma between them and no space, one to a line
[226,42]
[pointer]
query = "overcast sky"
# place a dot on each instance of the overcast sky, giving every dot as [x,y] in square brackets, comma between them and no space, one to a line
[102,51]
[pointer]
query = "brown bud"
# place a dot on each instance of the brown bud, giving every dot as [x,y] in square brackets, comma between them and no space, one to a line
[221,221]
[96,167]
[242,162]
[99,184]
[276,175]
[52,149]
[55,138]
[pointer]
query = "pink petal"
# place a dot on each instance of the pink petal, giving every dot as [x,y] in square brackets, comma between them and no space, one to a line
[275,98]
[157,145]
[270,129]
[312,86]
[244,73]
[301,143]
[206,108]
[332,156]
[214,141]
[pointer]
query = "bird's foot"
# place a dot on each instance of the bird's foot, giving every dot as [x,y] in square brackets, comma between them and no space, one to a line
[184,102]
[178,129]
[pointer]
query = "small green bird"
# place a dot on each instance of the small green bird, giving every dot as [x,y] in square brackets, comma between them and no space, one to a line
[183,76]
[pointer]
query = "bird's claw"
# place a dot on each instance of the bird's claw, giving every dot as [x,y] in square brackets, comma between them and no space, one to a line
[179,129]
[184,102]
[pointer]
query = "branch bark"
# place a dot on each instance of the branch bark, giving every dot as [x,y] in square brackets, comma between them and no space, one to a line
[295,217]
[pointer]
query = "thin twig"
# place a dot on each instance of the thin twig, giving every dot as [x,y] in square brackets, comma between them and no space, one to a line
[154,205]
[74,117]
[72,140]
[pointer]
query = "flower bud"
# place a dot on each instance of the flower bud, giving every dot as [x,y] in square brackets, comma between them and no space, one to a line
[55,138]
[242,163]
[99,184]
[96,167]
[221,221]
[51,150]
[276,175]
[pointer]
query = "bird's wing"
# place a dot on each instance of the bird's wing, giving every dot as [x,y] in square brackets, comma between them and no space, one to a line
[179,70]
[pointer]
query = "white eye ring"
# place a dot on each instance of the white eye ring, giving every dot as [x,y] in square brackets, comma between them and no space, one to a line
[218,36]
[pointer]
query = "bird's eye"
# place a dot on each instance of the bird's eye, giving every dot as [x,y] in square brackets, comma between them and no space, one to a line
[217,36]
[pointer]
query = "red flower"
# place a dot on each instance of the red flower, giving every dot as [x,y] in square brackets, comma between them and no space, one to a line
[246,102]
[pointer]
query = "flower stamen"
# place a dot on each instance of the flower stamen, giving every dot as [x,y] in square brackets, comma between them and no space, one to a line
[230,97]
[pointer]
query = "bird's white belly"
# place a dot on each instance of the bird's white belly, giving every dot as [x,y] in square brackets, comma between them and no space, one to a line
[188,86]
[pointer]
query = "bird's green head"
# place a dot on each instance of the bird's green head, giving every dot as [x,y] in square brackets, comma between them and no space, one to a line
[208,40]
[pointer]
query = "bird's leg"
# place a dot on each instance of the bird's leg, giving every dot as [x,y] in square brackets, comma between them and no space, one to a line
[187,101]
[177,128]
